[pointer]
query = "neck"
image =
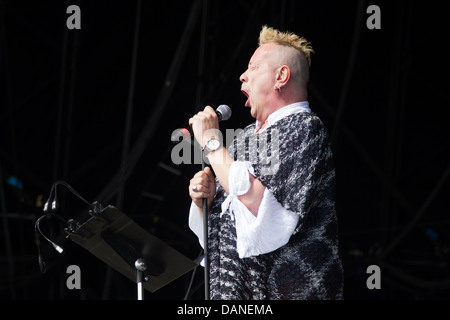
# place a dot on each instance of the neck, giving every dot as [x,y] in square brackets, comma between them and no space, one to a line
[279,103]
[289,94]
[262,127]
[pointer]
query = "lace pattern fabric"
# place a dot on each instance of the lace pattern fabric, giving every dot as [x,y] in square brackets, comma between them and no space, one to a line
[300,174]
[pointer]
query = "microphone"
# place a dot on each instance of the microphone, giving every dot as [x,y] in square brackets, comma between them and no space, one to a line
[223,113]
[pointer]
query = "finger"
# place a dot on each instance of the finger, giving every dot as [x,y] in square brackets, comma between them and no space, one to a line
[200,174]
[201,178]
[209,109]
[209,174]
[200,116]
[204,177]
[201,184]
[199,189]
[201,193]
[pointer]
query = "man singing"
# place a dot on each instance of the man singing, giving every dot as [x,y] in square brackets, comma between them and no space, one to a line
[273,230]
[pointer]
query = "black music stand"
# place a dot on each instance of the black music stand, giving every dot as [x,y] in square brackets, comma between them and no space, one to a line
[122,244]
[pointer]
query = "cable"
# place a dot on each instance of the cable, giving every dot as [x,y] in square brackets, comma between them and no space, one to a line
[38,232]
[54,195]
[95,209]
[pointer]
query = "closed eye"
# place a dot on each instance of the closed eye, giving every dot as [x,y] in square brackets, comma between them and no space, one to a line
[252,67]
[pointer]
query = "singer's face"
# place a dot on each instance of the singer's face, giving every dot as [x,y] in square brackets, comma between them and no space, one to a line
[258,82]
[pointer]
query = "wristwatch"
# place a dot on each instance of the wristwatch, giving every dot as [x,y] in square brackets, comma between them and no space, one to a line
[212,145]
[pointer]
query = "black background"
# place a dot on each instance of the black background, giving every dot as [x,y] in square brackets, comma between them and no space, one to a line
[65,96]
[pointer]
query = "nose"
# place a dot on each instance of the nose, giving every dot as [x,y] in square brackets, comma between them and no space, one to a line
[243,77]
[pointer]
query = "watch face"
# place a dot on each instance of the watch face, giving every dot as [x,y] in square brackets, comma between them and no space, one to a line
[213,144]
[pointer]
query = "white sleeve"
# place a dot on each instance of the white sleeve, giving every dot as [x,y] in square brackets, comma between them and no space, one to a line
[269,230]
[196,223]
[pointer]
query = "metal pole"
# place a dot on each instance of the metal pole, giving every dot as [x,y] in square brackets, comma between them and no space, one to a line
[140,291]
[205,237]
[140,266]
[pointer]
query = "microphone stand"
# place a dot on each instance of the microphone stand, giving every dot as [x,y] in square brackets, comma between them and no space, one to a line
[205,236]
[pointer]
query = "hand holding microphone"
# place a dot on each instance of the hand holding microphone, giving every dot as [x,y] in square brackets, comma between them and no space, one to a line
[205,125]
[203,121]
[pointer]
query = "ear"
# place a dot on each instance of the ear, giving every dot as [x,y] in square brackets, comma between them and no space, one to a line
[283,75]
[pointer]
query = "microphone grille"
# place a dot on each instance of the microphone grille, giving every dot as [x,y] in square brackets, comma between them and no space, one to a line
[225,111]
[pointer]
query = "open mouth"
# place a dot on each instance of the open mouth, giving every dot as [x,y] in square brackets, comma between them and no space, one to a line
[247,104]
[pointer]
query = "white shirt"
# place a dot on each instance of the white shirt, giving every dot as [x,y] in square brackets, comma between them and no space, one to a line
[273,225]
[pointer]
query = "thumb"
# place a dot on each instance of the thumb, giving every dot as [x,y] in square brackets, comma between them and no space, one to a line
[209,173]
